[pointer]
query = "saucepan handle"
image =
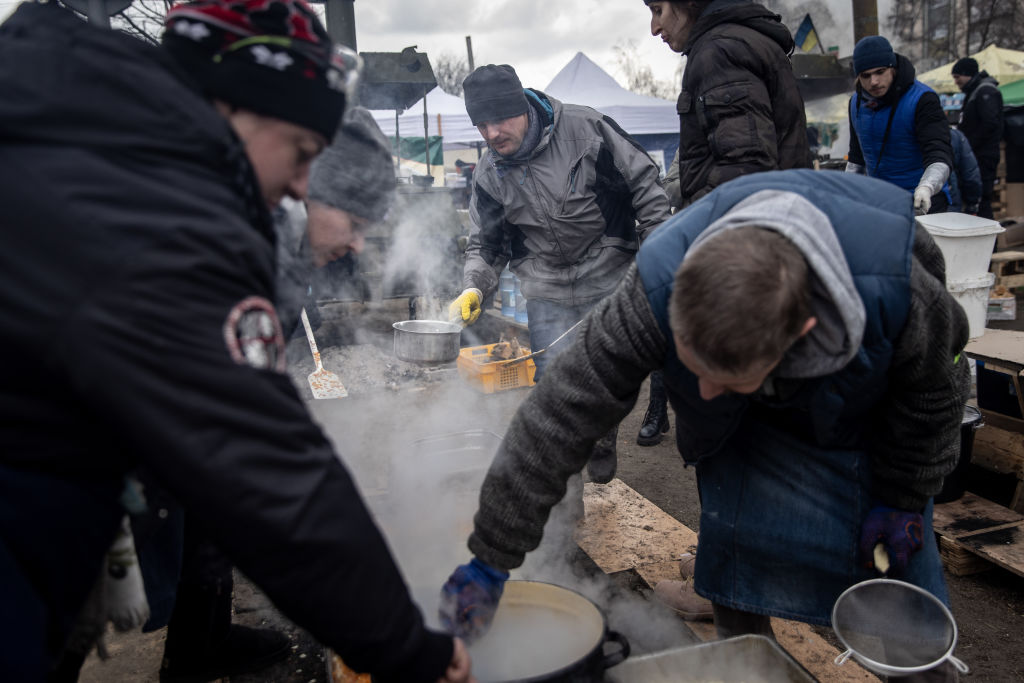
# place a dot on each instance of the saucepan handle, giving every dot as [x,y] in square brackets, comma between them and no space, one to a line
[619,655]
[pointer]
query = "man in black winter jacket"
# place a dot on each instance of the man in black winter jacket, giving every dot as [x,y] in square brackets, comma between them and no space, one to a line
[981,120]
[136,283]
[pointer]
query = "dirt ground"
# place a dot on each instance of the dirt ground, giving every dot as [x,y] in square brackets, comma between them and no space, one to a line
[988,607]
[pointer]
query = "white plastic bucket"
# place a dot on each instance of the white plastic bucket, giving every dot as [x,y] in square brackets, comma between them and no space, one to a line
[965,241]
[972,295]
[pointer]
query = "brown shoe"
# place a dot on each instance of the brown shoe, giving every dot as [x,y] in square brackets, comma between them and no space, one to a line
[680,596]
[686,563]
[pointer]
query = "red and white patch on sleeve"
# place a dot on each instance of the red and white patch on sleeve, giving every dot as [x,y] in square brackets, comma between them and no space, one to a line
[252,333]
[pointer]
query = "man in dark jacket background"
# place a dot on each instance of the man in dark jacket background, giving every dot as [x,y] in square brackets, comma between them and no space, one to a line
[135,291]
[740,110]
[898,131]
[965,180]
[981,120]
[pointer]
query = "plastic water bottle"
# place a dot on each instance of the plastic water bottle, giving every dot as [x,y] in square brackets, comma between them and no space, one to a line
[506,283]
[520,304]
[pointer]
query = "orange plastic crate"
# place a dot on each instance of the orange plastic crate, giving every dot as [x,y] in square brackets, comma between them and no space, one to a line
[490,377]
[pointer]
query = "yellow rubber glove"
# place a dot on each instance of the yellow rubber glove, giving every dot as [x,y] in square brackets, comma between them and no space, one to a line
[466,308]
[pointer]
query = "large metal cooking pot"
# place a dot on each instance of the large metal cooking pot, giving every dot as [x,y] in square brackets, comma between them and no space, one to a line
[543,632]
[427,341]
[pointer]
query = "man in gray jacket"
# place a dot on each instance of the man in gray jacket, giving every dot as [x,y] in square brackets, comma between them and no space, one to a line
[564,197]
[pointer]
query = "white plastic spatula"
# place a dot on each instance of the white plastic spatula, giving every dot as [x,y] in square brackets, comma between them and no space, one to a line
[324,383]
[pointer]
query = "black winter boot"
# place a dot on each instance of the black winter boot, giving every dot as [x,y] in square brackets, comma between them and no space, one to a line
[604,459]
[202,643]
[656,418]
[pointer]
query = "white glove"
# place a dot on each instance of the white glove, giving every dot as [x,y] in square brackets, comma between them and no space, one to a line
[922,200]
[931,182]
[854,168]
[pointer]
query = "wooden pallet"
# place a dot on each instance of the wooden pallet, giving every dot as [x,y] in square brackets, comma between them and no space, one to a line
[988,531]
[623,530]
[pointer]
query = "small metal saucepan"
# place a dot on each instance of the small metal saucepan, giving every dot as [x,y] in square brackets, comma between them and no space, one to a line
[546,633]
[427,341]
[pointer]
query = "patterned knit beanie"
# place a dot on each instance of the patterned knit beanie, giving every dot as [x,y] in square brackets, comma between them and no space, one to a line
[356,172]
[273,57]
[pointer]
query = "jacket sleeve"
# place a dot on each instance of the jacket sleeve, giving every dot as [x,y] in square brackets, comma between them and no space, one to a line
[489,247]
[855,155]
[932,129]
[190,387]
[586,390]
[672,191]
[988,109]
[968,174]
[918,439]
[640,174]
[733,109]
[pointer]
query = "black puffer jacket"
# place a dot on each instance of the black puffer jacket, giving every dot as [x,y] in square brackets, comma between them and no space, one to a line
[981,118]
[136,321]
[739,110]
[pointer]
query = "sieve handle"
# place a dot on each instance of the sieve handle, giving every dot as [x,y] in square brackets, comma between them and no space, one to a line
[841,659]
[959,664]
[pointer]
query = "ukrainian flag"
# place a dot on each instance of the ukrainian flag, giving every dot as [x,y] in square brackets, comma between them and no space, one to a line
[806,37]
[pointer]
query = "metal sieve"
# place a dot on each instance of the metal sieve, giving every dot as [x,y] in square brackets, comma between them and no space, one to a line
[894,628]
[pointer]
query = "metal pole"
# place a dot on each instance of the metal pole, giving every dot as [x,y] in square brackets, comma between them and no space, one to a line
[469,52]
[865,19]
[98,14]
[426,134]
[341,22]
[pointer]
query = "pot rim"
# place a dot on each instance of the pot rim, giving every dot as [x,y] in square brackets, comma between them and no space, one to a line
[568,668]
[408,326]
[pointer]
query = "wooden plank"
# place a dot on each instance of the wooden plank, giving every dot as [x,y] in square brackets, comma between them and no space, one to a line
[623,530]
[1004,347]
[958,560]
[970,514]
[989,530]
[1000,421]
[999,450]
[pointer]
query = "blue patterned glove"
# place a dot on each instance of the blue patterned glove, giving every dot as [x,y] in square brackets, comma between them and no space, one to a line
[469,599]
[898,530]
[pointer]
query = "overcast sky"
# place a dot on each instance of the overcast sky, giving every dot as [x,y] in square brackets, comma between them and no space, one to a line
[538,37]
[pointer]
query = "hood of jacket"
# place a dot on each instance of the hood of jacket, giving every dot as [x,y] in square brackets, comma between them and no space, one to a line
[837,305]
[744,13]
[977,80]
[114,92]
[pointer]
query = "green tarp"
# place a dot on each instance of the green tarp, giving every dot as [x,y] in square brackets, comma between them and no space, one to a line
[1013,94]
[412,149]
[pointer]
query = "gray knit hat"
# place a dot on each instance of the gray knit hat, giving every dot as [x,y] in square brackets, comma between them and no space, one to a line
[493,93]
[356,172]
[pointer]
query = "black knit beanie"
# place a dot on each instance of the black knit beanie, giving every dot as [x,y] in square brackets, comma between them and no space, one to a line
[871,53]
[493,93]
[273,57]
[356,172]
[966,66]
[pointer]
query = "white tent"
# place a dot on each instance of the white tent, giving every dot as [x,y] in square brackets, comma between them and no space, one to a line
[581,81]
[446,116]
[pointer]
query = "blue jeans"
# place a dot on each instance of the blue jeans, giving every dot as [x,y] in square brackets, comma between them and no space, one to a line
[548,320]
